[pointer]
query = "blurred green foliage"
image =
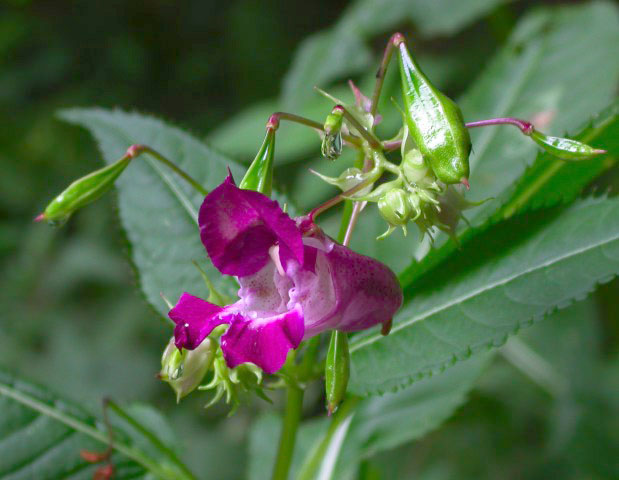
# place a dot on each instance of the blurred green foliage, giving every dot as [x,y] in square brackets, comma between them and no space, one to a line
[72,317]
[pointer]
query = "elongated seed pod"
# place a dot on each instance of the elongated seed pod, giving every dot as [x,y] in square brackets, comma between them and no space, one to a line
[337,370]
[435,122]
[83,191]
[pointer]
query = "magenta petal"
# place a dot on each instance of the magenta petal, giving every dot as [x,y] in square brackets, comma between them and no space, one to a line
[238,227]
[195,319]
[262,341]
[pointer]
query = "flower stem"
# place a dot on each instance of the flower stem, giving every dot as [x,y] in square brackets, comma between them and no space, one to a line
[394,41]
[329,443]
[275,118]
[369,136]
[136,150]
[292,417]
[525,127]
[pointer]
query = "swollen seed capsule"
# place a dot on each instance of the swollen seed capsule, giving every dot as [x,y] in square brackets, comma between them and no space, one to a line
[435,123]
[565,148]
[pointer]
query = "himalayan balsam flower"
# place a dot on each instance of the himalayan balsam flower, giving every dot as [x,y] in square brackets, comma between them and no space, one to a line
[295,282]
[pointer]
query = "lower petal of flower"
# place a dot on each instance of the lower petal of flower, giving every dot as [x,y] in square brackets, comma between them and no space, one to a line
[262,341]
[195,319]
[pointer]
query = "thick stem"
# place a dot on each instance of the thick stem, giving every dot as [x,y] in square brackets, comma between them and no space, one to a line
[394,41]
[136,150]
[525,127]
[292,417]
[275,118]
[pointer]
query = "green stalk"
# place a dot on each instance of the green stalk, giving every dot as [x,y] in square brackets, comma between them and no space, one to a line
[292,418]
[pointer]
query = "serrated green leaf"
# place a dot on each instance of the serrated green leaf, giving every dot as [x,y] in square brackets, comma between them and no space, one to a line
[158,210]
[514,274]
[546,183]
[41,437]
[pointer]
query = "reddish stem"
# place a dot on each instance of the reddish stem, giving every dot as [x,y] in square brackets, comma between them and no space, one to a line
[525,127]
[395,40]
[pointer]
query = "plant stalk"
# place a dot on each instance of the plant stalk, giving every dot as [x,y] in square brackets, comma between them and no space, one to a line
[292,418]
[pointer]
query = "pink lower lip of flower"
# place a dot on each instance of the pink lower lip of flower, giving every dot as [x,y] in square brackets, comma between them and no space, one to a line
[316,285]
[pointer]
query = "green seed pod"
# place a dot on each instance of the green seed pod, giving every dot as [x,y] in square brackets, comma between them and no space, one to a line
[565,148]
[184,370]
[259,175]
[435,123]
[83,191]
[332,140]
[337,370]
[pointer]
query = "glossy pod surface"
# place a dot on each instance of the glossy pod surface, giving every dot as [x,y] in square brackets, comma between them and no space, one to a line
[435,122]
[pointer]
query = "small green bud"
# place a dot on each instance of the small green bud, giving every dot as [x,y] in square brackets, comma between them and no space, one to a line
[185,369]
[83,191]
[565,148]
[395,207]
[332,140]
[414,166]
[259,175]
[337,370]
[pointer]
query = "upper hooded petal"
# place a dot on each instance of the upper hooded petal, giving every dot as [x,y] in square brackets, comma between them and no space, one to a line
[195,319]
[238,227]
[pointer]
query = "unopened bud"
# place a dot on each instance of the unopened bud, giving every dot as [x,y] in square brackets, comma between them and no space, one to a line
[565,148]
[414,166]
[332,139]
[185,369]
[395,207]
[83,191]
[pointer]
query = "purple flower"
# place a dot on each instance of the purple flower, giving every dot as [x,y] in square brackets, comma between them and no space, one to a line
[295,282]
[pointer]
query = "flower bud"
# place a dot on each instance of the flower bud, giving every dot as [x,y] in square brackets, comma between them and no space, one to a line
[185,369]
[414,166]
[83,191]
[565,148]
[395,207]
[332,140]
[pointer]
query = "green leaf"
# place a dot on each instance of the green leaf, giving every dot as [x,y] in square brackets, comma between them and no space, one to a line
[514,274]
[547,182]
[158,210]
[41,437]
